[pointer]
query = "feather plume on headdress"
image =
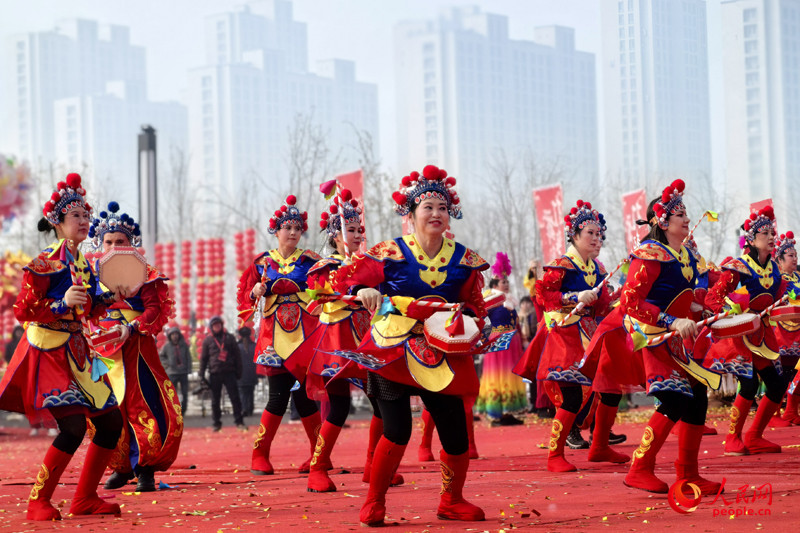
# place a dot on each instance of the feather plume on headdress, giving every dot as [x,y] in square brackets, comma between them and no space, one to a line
[502,266]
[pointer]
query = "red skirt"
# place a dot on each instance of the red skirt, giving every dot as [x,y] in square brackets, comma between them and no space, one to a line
[315,360]
[610,361]
[661,371]
[735,355]
[151,434]
[560,353]
[38,381]
[284,330]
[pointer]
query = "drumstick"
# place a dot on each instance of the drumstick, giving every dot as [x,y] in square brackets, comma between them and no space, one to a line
[773,306]
[704,322]
[595,290]
[76,281]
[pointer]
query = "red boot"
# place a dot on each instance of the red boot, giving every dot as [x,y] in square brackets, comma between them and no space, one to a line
[779,421]
[753,439]
[558,436]
[259,464]
[600,451]
[689,437]
[642,473]
[452,505]
[385,460]
[473,449]
[312,425]
[39,506]
[790,413]
[425,454]
[734,445]
[318,480]
[86,501]
[375,432]
[708,430]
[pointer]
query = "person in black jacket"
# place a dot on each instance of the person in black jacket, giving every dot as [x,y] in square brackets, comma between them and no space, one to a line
[16,335]
[177,361]
[220,356]
[249,378]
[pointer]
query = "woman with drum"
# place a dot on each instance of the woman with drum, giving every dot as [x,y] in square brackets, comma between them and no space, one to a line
[568,283]
[342,325]
[54,376]
[788,331]
[418,271]
[152,417]
[756,351]
[274,288]
[656,299]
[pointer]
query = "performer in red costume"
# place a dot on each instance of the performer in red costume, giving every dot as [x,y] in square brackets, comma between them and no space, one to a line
[341,327]
[788,332]
[422,266]
[741,356]
[657,298]
[274,288]
[53,377]
[553,356]
[153,422]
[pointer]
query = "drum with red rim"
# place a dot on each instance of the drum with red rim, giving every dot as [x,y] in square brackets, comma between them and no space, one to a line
[735,326]
[785,313]
[440,338]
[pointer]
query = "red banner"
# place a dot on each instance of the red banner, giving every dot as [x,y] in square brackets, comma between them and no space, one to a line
[548,203]
[354,182]
[634,207]
[755,207]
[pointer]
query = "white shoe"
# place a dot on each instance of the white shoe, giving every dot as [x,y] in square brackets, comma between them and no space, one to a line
[34,432]
[52,432]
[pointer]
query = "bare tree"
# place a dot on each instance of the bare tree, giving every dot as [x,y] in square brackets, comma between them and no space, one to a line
[381,221]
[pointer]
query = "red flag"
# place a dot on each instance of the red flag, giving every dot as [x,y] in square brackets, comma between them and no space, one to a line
[354,182]
[755,207]
[634,207]
[548,204]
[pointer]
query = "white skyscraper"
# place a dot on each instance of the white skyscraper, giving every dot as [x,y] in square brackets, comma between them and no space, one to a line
[80,100]
[655,84]
[761,60]
[465,92]
[246,99]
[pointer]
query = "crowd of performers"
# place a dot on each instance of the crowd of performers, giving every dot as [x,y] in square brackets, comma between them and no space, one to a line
[407,318]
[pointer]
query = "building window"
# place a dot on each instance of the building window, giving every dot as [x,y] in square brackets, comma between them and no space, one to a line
[751,47]
[206,81]
[750,31]
[751,79]
[749,15]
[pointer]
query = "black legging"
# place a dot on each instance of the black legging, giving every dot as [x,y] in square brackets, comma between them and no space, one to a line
[279,388]
[571,397]
[677,406]
[339,399]
[72,428]
[776,386]
[610,399]
[447,412]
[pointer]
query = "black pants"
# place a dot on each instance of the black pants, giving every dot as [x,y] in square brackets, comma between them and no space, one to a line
[247,395]
[677,406]
[229,380]
[181,381]
[447,412]
[774,383]
[280,388]
[72,428]
[339,399]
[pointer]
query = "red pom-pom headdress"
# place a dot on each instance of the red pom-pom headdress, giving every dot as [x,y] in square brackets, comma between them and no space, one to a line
[757,222]
[343,204]
[671,202]
[580,215]
[784,243]
[68,194]
[288,214]
[433,183]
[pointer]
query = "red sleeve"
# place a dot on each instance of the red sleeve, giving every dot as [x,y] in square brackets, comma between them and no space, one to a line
[548,289]
[641,276]
[32,305]
[364,271]
[246,283]
[472,295]
[319,277]
[726,283]
[784,287]
[158,308]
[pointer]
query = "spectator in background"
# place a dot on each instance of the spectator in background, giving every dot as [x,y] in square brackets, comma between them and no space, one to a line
[249,379]
[220,356]
[177,361]
[16,335]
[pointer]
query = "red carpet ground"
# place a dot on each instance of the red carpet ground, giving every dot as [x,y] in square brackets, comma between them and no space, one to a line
[214,490]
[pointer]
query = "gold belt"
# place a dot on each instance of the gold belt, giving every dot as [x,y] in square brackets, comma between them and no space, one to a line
[283,298]
[71,326]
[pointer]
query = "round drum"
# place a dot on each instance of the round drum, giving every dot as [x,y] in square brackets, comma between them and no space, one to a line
[785,313]
[440,338]
[735,326]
